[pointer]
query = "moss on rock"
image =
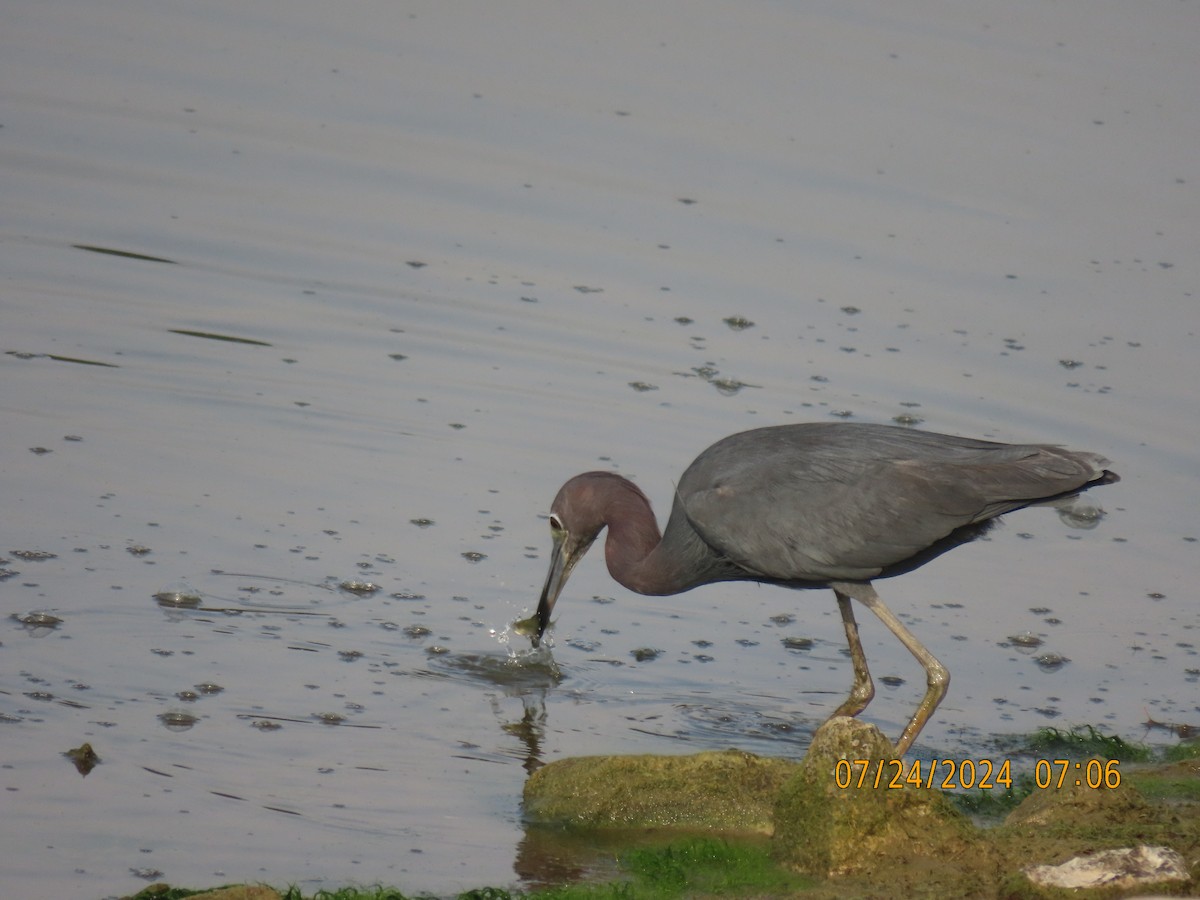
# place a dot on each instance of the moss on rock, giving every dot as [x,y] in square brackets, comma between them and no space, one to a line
[825,830]
[728,791]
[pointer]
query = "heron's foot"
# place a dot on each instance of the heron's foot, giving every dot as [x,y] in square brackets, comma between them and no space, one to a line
[860,695]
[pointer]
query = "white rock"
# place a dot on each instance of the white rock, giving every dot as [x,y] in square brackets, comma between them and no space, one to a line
[1127,867]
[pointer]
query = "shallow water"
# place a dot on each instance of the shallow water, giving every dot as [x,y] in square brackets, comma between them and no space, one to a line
[465,257]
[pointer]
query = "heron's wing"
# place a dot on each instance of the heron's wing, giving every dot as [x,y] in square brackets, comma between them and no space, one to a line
[848,504]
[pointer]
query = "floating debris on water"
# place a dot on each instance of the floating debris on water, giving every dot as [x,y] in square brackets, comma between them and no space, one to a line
[178,720]
[1025,639]
[84,758]
[729,386]
[709,373]
[406,595]
[359,588]
[798,643]
[179,595]
[35,620]
[34,555]
[1050,662]
[645,654]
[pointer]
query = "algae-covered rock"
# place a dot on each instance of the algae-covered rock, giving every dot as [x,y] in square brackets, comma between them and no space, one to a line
[241,892]
[728,791]
[1078,804]
[825,829]
[229,892]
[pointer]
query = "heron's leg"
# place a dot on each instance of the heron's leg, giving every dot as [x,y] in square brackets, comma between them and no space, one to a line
[863,689]
[937,677]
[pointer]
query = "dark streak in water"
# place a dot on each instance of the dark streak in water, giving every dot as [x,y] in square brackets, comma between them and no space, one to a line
[233,339]
[308,721]
[82,362]
[109,251]
[22,354]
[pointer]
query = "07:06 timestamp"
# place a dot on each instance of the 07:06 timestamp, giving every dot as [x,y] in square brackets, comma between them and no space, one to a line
[985,774]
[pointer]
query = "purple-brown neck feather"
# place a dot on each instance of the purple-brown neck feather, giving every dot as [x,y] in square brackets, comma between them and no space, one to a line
[593,500]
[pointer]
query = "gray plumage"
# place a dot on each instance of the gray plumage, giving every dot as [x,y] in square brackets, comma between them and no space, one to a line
[844,502]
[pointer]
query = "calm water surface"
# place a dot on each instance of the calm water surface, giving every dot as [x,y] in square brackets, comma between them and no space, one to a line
[307,312]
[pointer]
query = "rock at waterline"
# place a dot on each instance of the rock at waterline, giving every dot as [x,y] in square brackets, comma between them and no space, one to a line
[727,791]
[824,830]
[1077,804]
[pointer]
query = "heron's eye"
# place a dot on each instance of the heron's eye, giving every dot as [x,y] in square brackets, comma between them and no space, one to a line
[556,523]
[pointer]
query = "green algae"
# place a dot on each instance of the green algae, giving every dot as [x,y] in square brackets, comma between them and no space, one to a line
[724,791]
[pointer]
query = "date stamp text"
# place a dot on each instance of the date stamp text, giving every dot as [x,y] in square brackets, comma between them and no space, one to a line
[984,774]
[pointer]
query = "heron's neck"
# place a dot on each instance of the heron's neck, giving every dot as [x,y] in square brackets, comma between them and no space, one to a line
[632,548]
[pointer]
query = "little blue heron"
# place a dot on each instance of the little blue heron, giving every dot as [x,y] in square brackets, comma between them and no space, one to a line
[813,505]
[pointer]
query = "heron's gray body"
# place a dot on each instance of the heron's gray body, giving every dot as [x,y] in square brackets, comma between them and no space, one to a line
[816,503]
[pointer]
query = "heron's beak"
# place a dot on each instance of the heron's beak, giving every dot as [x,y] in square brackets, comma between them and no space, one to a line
[563,555]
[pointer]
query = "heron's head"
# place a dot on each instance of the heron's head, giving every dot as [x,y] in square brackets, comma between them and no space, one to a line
[576,517]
